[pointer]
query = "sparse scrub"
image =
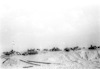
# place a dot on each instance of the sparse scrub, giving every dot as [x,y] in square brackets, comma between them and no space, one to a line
[24,53]
[77,55]
[75,48]
[55,49]
[45,50]
[66,49]
[92,47]
[30,52]
[9,53]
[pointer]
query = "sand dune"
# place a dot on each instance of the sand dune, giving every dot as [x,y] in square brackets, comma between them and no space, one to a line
[80,59]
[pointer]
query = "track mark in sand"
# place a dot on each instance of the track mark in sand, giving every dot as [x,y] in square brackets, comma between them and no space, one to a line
[27,66]
[41,62]
[5,60]
[29,63]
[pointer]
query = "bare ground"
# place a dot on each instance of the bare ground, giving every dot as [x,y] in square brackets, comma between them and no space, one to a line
[81,59]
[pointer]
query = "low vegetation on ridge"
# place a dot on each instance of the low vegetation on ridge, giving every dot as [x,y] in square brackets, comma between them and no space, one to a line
[35,51]
[73,54]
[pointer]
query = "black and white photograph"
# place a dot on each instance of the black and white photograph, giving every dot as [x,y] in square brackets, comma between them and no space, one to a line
[49,34]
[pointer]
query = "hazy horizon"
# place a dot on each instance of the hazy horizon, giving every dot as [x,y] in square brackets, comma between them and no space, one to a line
[45,24]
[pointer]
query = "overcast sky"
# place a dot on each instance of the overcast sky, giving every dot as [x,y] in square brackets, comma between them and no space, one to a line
[47,23]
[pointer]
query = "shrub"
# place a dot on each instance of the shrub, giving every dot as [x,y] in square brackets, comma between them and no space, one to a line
[9,53]
[98,46]
[25,53]
[92,47]
[38,49]
[76,48]
[55,49]
[32,51]
[66,49]
[45,50]
[6,53]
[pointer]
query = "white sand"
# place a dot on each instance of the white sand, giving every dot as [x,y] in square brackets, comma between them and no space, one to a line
[59,60]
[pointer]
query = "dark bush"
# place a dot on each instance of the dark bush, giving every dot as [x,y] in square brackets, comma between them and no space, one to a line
[98,46]
[75,48]
[66,49]
[12,52]
[38,49]
[32,51]
[25,53]
[9,53]
[6,53]
[92,47]
[55,49]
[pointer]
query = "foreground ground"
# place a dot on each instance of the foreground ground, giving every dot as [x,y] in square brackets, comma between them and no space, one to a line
[80,59]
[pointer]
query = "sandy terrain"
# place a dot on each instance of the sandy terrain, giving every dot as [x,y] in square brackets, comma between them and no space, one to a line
[81,59]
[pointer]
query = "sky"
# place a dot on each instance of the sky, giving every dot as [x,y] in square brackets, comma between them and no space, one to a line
[48,23]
